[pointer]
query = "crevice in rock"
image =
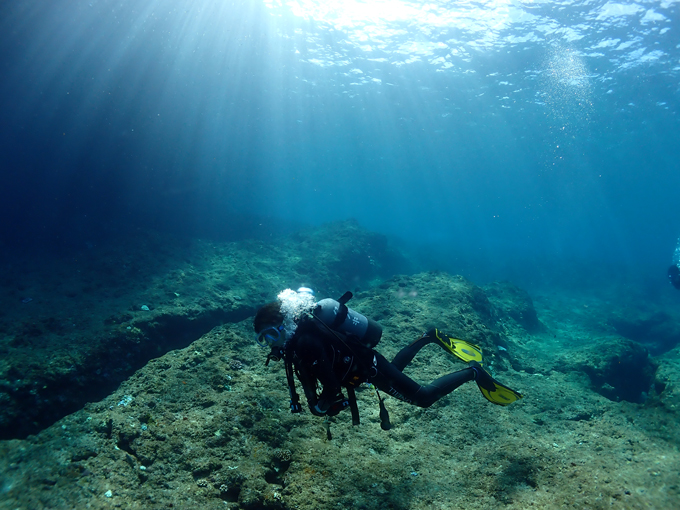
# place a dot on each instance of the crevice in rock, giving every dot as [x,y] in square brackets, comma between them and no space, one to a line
[48,398]
[623,378]
[659,332]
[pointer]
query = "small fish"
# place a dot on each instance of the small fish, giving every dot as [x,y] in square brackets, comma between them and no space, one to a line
[27,300]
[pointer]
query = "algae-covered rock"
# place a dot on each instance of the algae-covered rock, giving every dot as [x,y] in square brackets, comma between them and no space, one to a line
[408,306]
[619,369]
[208,426]
[656,329]
[513,302]
[55,357]
[339,256]
[667,381]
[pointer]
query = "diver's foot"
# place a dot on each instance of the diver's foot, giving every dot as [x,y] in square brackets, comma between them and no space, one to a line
[461,349]
[492,390]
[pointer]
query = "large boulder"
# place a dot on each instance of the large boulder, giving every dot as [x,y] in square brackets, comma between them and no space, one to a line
[618,368]
[515,303]
[657,330]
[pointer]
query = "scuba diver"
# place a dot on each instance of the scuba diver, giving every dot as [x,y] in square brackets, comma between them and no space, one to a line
[674,276]
[329,346]
[674,270]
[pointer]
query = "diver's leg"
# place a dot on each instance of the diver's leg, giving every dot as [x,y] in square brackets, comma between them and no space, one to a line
[464,351]
[406,355]
[459,348]
[392,381]
[445,385]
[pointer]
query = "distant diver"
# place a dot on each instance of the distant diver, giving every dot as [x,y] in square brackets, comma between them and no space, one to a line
[674,270]
[674,276]
[329,346]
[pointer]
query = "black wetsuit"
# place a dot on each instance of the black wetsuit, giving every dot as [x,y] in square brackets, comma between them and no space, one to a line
[319,355]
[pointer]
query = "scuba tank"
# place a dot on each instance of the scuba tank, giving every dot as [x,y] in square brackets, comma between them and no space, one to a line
[337,316]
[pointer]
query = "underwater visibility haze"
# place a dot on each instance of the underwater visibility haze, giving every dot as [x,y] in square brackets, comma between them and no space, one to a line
[500,131]
[507,171]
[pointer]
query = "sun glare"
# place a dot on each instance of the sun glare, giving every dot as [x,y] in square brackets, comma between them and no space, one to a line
[383,20]
[347,13]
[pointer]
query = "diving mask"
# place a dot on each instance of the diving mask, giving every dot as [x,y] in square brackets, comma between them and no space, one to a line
[271,336]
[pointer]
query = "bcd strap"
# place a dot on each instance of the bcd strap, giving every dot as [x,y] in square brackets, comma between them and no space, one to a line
[295,406]
[352,399]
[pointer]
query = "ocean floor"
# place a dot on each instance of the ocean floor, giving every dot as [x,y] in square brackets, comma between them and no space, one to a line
[173,407]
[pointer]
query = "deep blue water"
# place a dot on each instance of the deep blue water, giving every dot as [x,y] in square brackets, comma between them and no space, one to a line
[506,138]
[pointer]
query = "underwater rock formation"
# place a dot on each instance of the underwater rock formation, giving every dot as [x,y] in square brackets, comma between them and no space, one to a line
[185,414]
[658,330]
[515,303]
[60,353]
[619,369]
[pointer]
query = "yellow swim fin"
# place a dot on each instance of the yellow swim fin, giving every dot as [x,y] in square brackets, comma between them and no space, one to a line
[461,349]
[493,391]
